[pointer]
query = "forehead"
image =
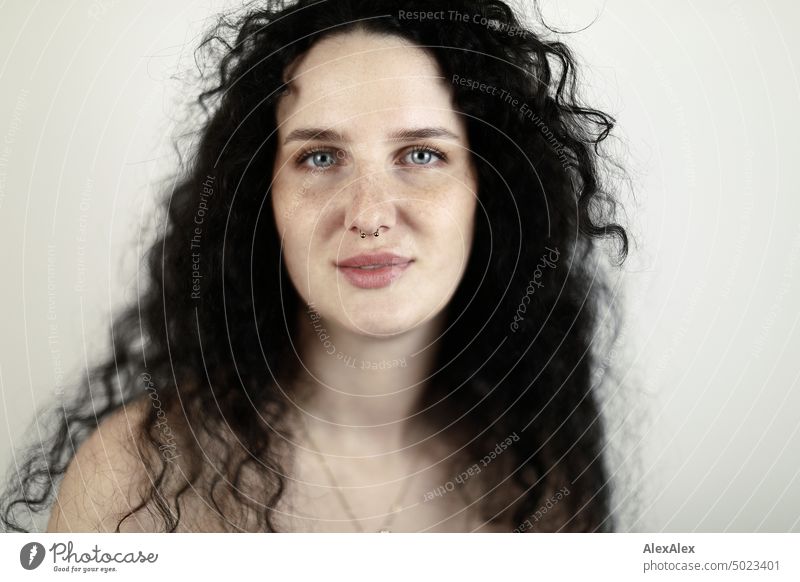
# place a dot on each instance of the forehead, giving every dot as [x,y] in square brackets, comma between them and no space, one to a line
[368,77]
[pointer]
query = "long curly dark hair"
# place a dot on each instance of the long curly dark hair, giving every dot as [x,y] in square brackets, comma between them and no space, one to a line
[517,356]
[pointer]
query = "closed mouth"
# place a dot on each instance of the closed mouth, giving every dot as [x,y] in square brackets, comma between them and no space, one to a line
[370,267]
[370,273]
[374,260]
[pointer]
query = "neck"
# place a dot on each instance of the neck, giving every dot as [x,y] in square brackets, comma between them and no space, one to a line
[359,394]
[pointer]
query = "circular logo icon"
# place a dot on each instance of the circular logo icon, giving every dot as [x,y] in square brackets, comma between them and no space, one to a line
[31,555]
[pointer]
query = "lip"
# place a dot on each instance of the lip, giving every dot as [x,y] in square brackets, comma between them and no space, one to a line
[366,259]
[388,267]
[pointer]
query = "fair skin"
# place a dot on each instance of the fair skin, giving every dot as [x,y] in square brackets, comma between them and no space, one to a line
[385,104]
[365,176]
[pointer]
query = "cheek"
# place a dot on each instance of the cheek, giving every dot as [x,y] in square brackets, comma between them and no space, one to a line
[294,231]
[280,208]
[452,217]
[296,256]
[451,232]
[286,201]
[300,198]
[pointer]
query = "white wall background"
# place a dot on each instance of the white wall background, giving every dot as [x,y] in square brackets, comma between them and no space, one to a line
[706,99]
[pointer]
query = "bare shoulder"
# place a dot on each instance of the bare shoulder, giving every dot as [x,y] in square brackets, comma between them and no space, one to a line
[107,480]
[101,482]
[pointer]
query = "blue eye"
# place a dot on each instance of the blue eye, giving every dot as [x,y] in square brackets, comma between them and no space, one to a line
[323,159]
[320,158]
[421,156]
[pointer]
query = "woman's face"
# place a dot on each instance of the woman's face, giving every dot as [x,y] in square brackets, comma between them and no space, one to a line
[395,160]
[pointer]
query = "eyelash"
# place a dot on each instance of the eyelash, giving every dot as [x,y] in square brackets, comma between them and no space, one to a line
[303,156]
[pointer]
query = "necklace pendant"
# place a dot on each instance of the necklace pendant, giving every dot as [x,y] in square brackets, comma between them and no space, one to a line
[384,531]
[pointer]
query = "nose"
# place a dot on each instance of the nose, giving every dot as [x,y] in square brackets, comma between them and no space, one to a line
[370,204]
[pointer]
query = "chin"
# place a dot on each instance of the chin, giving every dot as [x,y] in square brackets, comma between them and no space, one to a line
[380,322]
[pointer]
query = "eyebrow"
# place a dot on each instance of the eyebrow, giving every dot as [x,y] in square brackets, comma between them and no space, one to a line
[406,134]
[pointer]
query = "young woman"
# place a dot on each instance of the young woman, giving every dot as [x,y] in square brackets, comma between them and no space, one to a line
[374,303]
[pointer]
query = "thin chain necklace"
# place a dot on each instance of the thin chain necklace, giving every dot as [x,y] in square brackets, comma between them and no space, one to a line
[394,508]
